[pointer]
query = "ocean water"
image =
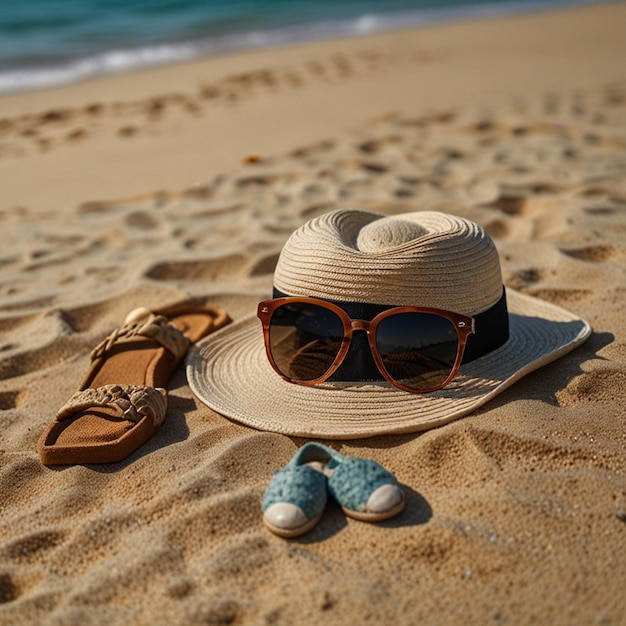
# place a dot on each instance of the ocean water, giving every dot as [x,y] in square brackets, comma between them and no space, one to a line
[52,42]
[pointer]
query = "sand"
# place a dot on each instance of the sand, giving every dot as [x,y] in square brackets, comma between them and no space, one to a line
[183,183]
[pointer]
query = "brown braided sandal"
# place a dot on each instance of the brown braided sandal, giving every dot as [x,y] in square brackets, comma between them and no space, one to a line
[122,400]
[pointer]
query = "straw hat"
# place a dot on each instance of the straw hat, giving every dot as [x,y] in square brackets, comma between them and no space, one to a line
[426,259]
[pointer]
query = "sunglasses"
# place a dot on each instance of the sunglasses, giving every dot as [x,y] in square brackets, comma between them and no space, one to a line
[415,349]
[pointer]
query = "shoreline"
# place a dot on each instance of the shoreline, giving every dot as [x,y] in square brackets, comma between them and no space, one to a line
[126,59]
[178,126]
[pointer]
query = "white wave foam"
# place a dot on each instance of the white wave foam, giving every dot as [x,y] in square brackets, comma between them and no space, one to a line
[106,63]
[125,60]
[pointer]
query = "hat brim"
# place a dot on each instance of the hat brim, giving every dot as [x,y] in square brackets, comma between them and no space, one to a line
[230,373]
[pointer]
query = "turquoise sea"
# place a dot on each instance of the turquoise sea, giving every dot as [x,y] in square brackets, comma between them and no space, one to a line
[52,42]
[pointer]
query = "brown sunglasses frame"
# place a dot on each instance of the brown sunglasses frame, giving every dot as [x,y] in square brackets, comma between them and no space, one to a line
[463,324]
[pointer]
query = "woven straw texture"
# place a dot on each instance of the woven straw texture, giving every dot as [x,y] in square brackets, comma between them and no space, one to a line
[417,259]
[456,269]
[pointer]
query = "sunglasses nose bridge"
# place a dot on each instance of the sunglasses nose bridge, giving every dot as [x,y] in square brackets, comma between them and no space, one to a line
[360,325]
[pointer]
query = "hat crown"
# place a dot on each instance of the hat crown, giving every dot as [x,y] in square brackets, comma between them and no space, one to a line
[388,232]
[424,258]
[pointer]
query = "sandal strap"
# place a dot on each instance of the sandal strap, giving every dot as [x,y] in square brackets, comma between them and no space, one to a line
[134,402]
[154,327]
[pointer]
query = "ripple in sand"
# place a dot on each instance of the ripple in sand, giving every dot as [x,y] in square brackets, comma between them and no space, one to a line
[59,344]
[221,516]
[598,385]
[29,548]
[449,455]
[508,450]
[216,610]
[20,485]
[105,274]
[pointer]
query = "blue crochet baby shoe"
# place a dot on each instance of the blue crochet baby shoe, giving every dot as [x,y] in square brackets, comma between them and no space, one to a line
[295,498]
[364,489]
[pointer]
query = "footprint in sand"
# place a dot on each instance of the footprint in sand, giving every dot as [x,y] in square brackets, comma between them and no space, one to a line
[562,297]
[389,143]
[600,210]
[521,279]
[77,134]
[200,270]
[9,590]
[141,220]
[509,228]
[10,400]
[126,132]
[315,149]
[601,253]
[524,200]
[256,180]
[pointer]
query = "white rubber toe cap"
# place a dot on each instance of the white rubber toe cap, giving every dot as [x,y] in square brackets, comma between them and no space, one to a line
[285,515]
[385,498]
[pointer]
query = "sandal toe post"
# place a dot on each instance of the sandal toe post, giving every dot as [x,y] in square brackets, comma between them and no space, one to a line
[294,500]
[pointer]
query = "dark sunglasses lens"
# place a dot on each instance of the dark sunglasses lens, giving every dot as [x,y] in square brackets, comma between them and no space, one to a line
[417,349]
[304,340]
